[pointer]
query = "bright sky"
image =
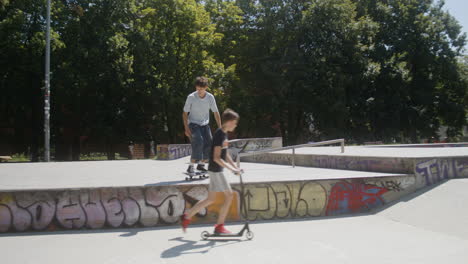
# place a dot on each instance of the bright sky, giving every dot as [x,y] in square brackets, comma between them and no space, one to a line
[459,9]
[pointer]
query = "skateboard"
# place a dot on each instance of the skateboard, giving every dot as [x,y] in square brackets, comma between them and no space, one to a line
[196,176]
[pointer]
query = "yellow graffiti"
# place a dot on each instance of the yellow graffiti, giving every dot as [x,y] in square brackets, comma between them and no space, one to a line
[6,198]
[284,200]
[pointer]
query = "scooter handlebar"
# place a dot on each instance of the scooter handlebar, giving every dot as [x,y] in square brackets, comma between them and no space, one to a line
[239,173]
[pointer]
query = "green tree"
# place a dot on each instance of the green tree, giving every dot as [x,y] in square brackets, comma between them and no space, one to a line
[22,46]
[417,88]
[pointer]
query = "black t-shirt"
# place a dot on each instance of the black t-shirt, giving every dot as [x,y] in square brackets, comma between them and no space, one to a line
[219,140]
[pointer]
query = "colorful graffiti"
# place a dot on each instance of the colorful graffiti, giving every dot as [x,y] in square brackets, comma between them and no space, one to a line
[400,185]
[389,165]
[237,146]
[173,151]
[103,208]
[284,200]
[354,197]
[436,170]
[162,205]
[177,151]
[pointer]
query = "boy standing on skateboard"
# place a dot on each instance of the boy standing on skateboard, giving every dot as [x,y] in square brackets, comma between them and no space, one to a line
[219,159]
[196,124]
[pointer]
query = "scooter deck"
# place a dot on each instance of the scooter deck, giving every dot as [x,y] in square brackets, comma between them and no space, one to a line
[245,230]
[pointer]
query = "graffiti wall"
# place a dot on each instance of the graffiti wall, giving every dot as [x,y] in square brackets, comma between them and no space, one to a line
[177,151]
[374,164]
[435,170]
[324,198]
[162,205]
[173,151]
[104,208]
[155,206]
[253,144]
[427,145]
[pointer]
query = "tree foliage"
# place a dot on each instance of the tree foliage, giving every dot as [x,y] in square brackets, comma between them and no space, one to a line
[305,70]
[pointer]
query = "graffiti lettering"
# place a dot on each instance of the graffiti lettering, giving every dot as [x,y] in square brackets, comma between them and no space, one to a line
[436,170]
[353,197]
[282,200]
[173,151]
[96,208]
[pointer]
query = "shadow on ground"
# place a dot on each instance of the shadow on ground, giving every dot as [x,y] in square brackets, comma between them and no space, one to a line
[195,247]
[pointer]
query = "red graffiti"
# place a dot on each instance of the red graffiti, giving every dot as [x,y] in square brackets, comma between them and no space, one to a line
[353,197]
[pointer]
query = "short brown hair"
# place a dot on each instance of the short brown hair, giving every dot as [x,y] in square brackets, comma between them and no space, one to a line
[229,115]
[201,81]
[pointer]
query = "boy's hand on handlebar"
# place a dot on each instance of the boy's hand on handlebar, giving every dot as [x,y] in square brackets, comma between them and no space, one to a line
[238,171]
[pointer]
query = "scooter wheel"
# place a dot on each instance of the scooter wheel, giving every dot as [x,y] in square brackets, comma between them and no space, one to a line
[204,235]
[249,235]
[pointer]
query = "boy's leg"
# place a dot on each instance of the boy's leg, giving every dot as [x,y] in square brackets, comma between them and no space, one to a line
[207,141]
[201,204]
[228,195]
[197,143]
[185,218]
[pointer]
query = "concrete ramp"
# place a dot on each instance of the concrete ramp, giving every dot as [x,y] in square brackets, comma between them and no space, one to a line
[431,162]
[440,209]
[148,193]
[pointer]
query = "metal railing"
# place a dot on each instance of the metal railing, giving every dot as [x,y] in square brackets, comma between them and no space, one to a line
[341,141]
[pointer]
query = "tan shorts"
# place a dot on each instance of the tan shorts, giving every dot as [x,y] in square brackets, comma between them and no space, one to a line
[218,182]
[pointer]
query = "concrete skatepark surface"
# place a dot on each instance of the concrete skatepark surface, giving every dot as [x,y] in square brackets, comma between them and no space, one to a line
[95,174]
[387,151]
[426,227]
[149,193]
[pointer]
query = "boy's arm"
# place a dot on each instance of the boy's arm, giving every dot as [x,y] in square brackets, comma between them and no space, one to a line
[218,118]
[187,108]
[188,133]
[231,161]
[214,109]
[217,158]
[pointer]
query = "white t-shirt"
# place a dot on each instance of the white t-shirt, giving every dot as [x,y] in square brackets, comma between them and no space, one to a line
[199,108]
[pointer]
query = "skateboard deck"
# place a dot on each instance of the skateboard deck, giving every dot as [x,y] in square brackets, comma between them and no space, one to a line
[196,176]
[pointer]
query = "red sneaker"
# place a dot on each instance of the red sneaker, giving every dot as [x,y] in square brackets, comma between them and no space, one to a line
[220,229]
[184,222]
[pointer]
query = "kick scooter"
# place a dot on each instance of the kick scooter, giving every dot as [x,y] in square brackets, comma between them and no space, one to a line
[245,229]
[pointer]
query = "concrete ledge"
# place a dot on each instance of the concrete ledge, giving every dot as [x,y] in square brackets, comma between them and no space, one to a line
[173,151]
[177,151]
[425,145]
[237,146]
[147,206]
[272,192]
[456,166]
[147,193]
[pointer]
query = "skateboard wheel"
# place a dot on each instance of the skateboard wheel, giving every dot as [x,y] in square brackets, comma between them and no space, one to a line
[204,235]
[249,235]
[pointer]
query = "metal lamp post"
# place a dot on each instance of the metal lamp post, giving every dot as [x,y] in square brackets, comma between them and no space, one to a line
[47,90]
